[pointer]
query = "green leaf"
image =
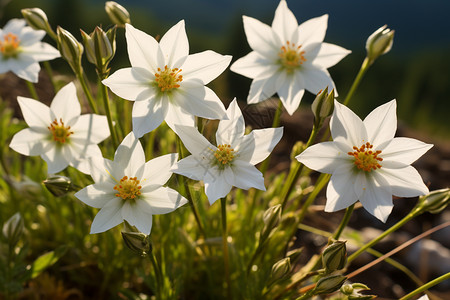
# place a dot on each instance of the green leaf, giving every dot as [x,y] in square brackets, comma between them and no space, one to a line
[46,260]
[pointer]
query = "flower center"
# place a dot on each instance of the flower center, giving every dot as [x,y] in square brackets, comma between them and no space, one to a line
[9,46]
[59,131]
[291,57]
[128,188]
[365,158]
[168,79]
[224,155]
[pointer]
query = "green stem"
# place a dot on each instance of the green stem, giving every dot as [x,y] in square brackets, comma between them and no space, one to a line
[320,184]
[108,114]
[364,67]
[87,92]
[426,286]
[395,227]
[223,205]
[32,90]
[158,274]
[344,222]
[49,71]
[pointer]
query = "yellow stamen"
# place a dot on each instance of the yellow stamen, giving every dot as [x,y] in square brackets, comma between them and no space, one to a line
[291,57]
[365,158]
[10,45]
[59,131]
[128,188]
[168,79]
[224,155]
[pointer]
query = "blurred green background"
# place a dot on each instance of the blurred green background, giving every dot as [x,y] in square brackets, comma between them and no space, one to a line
[415,72]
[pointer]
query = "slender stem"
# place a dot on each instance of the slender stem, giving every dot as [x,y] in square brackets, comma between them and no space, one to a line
[158,274]
[49,71]
[320,184]
[344,222]
[223,205]
[399,224]
[87,92]
[32,90]
[364,67]
[427,286]
[108,115]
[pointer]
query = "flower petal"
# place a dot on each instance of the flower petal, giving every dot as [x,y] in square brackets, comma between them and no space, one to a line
[65,105]
[313,30]
[284,22]
[174,44]
[41,52]
[405,182]
[130,156]
[247,176]
[291,92]
[177,115]
[205,66]
[137,216]
[108,217]
[90,129]
[377,199]
[141,48]
[264,88]
[316,79]
[329,55]
[148,115]
[55,159]
[233,128]
[261,37]
[340,190]
[254,65]
[403,150]
[324,157]
[194,167]
[381,123]
[196,143]
[258,144]
[163,200]
[35,113]
[128,83]
[347,127]
[158,170]
[29,142]
[26,68]
[97,195]
[215,186]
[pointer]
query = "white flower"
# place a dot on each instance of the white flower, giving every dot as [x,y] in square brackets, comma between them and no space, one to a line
[21,50]
[232,162]
[129,188]
[166,82]
[59,134]
[366,162]
[424,297]
[287,58]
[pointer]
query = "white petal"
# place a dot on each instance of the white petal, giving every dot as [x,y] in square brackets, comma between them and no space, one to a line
[405,182]
[65,105]
[26,68]
[41,52]
[158,170]
[108,217]
[284,23]
[14,26]
[340,190]
[205,66]
[29,142]
[80,155]
[381,123]
[194,167]
[128,83]
[329,55]
[97,195]
[377,200]
[316,79]
[247,176]
[90,129]
[291,92]
[174,44]
[403,150]
[35,113]
[196,143]
[233,128]
[264,88]
[56,161]
[141,48]
[253,65]
[130,156]
[137,216]
[103,169]
[163,200]
[347,127]
[324,157]
[258,144]
[260,37]
[148,115]
[313,30]
[216,186]
[30,36]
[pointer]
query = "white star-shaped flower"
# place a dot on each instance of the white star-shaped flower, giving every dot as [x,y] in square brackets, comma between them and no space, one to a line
[232,162]
[59,134]
[287,58]
[129,188]
[166,82]
[21,50]
[366,162]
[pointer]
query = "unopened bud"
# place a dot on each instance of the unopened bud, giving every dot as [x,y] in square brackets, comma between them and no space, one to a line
[435,201]
[100,47]
[329,284]
[37,19]
[322,106]
[13,229]
[294,255]
[281,268]
[59,185]
[135,240]
[298,148]
[379,43]
[271,219]
[334,257]
[71,50]
[117,13]
[352,291]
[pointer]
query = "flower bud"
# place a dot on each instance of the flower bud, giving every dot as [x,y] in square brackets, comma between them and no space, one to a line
[13,229]
[281,268]
[298,148]
[59,185]
[435,201]
[71,50]
[37,19]
[329,284]
[271,218]
[352,291]
[294,255]
[117,13]
[334,257]
[322,106]
[135,240]
[100,47]
[379,43]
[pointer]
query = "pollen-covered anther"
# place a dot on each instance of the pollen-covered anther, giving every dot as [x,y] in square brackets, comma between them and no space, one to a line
[168,79]
[365,158]
[60,132]
[224,154]
[10,45]
[291,56]
[128,188]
